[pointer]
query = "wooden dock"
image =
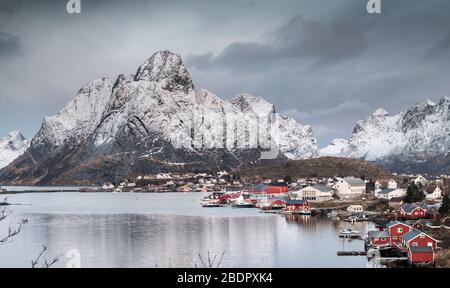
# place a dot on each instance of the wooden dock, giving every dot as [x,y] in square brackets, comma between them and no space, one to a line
[352,253]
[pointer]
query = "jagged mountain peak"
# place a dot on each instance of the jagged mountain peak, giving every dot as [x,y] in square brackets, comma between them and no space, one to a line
[15,136]
[431,103]
[12,146]
[380,112]
[247,102]
[165,66]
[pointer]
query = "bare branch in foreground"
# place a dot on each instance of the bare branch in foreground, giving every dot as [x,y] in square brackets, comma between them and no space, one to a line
[210,262]
[13,232]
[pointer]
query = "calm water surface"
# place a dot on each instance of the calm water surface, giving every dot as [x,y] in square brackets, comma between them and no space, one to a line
[169,230]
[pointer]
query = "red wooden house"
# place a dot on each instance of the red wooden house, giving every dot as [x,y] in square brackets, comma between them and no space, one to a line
[413,211]
[417,238]
[378,238]
[297,207]
[396,230]
[420,254]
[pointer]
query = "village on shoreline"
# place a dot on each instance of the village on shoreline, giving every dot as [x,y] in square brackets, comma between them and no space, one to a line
[410,212]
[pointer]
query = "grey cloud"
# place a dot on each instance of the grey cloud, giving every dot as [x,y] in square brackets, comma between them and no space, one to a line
[326,41]
[440,49]
[9,45]
[299,38]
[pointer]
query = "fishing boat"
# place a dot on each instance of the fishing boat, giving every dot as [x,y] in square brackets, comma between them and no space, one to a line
[242,202]
[270,204]
[349,233]
[212,203]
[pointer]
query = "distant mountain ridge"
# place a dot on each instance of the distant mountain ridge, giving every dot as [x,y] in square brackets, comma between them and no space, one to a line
[416,140]
[12,146]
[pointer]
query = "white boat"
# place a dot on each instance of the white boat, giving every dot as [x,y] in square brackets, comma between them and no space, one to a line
[242,202]
[211,203]
[349,233]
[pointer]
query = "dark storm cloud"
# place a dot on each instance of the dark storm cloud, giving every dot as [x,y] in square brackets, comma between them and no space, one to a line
[299,38]
[9,45]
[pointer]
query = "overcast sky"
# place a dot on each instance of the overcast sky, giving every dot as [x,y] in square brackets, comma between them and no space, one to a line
[325,63]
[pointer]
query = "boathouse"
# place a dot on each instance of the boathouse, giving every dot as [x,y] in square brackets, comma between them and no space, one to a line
[378,238]
[298,207]
[420,254]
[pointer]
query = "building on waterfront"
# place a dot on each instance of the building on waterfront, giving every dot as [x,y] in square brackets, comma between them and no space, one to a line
[417,238]
[420,254]
[316,193]
[396,230]
[388,194]
[297,207]
[355,209]
[378,238]
[350,187]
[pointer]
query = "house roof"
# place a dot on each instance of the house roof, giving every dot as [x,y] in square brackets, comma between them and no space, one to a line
[414,233]
[421,249]
[392,223]
[354,181]
[295,202]
[321,188]
[411,235]
[378,234]
[411,207]
[386,191]
[396,199]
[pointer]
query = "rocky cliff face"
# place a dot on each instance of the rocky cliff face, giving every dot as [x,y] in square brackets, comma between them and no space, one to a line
[152,121]
[413,141]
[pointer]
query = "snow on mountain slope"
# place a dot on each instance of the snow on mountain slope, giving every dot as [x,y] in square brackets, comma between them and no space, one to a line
[12,146]
[337,148]
[421,131]
[110,130]
[161,102]
[76,121]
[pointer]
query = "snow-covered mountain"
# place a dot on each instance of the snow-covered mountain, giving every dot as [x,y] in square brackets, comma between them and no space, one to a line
[12,146]
[156,120]
[418,135]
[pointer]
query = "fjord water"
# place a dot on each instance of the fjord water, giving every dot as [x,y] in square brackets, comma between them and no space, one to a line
[169,230]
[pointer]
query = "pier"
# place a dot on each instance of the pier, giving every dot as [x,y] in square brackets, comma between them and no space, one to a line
[352,253]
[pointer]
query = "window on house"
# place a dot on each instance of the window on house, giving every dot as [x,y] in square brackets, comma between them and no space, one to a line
[430,244]
[399,230]
[422,236]
[415,244]
[394,237]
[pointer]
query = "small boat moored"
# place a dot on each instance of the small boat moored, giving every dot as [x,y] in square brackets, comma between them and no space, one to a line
[349,233]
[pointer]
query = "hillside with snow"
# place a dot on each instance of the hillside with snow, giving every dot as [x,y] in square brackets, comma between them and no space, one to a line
[156,120]
[415,140]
